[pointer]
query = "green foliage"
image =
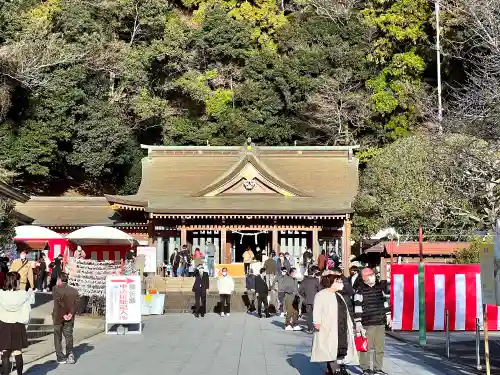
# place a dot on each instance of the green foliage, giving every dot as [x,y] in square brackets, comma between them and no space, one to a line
[398,50]
[413,182]
[471,254]
[7,221]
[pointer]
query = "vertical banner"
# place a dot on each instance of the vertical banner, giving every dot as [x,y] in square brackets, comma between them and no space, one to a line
[123,300]
[489,275]
[149,253]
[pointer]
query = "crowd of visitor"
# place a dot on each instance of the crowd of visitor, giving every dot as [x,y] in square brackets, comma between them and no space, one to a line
[17,296]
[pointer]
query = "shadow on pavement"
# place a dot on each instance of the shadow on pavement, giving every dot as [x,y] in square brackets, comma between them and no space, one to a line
[410,354]
[43,368]
[302,363]
[278,324]
[82,349]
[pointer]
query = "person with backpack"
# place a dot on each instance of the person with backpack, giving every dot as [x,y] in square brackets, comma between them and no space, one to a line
[24,269]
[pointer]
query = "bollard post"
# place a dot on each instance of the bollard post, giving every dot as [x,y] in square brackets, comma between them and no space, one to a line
[447,328]
[478,343]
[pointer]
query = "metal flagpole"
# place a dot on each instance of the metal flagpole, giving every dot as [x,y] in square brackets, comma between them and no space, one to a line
[421,291]
[438,63]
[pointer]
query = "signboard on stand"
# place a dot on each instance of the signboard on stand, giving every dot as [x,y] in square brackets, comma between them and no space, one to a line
[149,253]
[123,302]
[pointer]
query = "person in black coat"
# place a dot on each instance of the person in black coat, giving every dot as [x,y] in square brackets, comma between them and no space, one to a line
[308,289]
[200,287]
[175,261]
[261,292]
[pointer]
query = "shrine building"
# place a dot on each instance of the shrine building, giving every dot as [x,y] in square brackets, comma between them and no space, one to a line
[268,198]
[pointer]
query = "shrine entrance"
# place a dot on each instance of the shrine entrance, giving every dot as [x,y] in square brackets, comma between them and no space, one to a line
[258,241]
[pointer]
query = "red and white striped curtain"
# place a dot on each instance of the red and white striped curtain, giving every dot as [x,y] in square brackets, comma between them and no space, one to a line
[456,288]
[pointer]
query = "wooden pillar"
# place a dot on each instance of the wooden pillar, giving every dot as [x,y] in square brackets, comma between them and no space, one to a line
[183,235]
[347,246]
[223,241]
[383,268]
[315,243]
[151,231]
[275,242]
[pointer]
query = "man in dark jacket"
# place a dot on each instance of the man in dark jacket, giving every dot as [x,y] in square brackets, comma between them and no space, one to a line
[200,287]
[250,292]
[371,313]
[308,289]
[65,307]
[175,261]
[261,292]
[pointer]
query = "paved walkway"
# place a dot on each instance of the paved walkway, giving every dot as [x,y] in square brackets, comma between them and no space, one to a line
[236,345]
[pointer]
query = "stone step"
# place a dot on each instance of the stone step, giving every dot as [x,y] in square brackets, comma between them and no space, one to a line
[183,302]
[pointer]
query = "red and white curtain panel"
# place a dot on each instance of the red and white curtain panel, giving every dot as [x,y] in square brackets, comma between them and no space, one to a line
[456,288]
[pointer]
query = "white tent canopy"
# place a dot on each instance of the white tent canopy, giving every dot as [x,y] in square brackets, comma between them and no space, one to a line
[100,235]
[33,232]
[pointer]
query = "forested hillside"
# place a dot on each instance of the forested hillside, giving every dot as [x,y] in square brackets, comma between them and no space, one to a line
[84,83]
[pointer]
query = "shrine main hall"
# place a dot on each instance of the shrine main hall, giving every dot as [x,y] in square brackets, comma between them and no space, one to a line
[267,198]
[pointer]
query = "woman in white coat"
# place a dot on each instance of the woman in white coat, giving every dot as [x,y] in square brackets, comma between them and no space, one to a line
[333,341]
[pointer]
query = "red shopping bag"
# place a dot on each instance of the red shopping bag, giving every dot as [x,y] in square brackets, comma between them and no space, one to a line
[361,343]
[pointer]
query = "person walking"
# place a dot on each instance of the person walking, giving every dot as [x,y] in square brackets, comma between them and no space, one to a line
[65,308]
[322,261]
[333,340]
[291,291]
[41,278]
[185,261]
[248,256]
[278,286]
[371,313]
[210,254]
[271,270]
[308,289]
[56,271]
[261,292]
[250,291]
[23,267]
[200,287]
[15,310]
[175,261]
[225,286]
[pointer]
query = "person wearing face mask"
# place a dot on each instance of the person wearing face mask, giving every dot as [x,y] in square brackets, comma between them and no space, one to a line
[225,285]
[200,287]
[371,313]
[333,341]
[278,285]
[23,267]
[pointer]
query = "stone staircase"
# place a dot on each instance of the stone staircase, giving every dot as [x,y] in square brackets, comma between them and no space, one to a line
[180,299]
[185,284]
[38,329]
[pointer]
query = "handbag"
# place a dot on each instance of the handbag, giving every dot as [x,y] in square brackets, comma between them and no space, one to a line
[361,343]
